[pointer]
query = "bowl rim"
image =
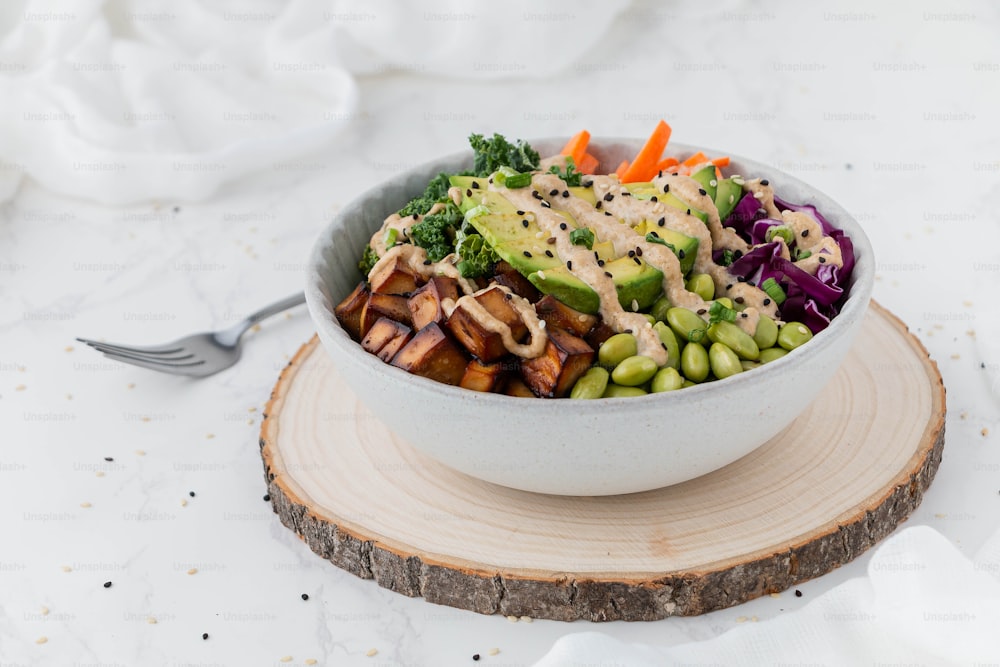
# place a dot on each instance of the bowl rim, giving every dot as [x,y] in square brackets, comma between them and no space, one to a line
[854,308]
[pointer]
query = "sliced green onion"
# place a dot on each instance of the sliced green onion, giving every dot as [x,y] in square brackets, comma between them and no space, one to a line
[802,254]
[784,231]
[652,237]
[582,236]
[391,235]
[476,211]
[773,290]
[696,335]
[718,312]
[728,257]
[518,181]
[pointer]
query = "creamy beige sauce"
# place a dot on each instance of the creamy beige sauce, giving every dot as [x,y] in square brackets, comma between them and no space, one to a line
[525,310]
[414,258]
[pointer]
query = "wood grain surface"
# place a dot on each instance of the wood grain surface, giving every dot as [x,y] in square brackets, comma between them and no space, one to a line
[839,479]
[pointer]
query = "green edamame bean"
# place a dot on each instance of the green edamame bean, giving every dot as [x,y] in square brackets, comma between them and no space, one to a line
[772,353]
[669,340]
[686,324]
[723,361]
[660,308]
[591,384]
[666,379]
[688,383]
[694,362]
[735,339]
[618,391]
[634,371]
[749,365]
[617,348]
[702,285]
[649,318]
[725,301]
[766,334]
[793,334]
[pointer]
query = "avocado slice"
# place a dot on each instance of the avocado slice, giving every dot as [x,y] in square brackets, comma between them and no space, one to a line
[684,246]
[633,281]
[648,191]
[727,197]
[706,176]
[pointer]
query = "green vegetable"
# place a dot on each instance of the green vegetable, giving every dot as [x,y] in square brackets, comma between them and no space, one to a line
[735,339]
[491,154]
[784,231]
[660,308]
[728,257]
[723,361]
[773,290]
[766,333]
[618,391]
[435,233]
[702,285]
[802,254]
[518,181]
[477,256]
[617,348]
[666,379]
[719,313]
[772,353]
[653,237]
[686,324]
[669,341]
[694,362]
[793,334]
[634,371]
[582,236]
[391,235]
[368,260]
[571,175]
[436,191]
[591,384]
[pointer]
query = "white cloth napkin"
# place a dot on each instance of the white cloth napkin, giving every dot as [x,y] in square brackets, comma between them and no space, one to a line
[123,101]
[922,602]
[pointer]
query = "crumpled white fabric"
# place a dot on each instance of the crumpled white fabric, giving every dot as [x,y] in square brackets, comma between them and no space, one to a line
[922,602]
[122,101]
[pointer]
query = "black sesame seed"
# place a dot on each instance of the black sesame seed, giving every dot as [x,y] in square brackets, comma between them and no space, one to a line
[689,211]
[737,254]
[596,256]
[661,222]
[729,287]
[638,251]
[798,593]
[666,188]
[663,345]
[822,260]
[607,214]
[653,198]
[626,193]
[204,635]
[109,458]
[416,216]
[805,233]
[569,265]
[637,261]
[267,497]
[107,584]
[305,596]
[764,181]
[608,197]
[468,193]
[475,185]
[702,311]
[562,226]
[534,193]
[738,299]
[548,253]
[565,193]
[525,223]
[551,240]
[520,212]
[586,184]
[191,493]
[631,253]
[744,315]
[627,331]
[599,204]
[608,274]
[553,192]
[427,262]
[654,234]
[767,302]
[546,204]
[681,254]
[702,191]
[475,656]
[527,254]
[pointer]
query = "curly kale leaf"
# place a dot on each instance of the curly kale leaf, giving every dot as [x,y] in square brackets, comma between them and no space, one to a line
[491,154]
[571,175]
[477,256]
[437,191]
[435,233]
[368,260]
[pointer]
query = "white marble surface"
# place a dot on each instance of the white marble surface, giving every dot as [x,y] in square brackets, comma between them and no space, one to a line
[893,113]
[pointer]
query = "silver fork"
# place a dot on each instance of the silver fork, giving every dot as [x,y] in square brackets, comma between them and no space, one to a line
[198,355]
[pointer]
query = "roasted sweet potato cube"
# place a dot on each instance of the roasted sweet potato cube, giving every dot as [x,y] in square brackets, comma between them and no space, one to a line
[510,278]
[566,358]
[394,278]
[515,387]
[348,311]
[433,354]
[425,303]
[484,344]
[378,305]
[557,314]
[600,333]
[483,377]
[386,337]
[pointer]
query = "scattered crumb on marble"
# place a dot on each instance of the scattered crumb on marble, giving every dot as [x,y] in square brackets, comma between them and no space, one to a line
[85,505]
[41,640]
[69,348]
[985,432]
[66,568]
[286,658]
[69,397]
[20,387]
[493,651]
[209,436]
[151,620]
[140,452]
[512,618]
[963,415]
[930,332]
[741,619]
[255,328]
[938,325]
[971,333]
[130,385]
[250,421]
[372,652]
[938,515]
[44,611]
[776,595]
[252,409]
[193,570]
[310,661]
[967,303]
[754,619]
[526,619]
[100,473]
[146,418]
[184,502]
[956,356]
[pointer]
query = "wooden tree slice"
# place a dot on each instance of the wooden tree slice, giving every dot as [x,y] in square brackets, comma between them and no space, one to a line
[827,488]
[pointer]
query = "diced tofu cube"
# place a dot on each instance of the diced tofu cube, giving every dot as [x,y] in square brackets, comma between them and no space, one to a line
[394,278]
[386,337]
[348,311]
[425,303]
[433,354]
[566,358]
[484,377]
[557,314]
[378,305]
[482,343]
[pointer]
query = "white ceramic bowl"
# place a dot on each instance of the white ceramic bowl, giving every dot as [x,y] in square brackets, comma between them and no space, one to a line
[572,447]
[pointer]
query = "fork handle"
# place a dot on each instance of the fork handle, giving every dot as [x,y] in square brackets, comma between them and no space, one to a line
[267,311]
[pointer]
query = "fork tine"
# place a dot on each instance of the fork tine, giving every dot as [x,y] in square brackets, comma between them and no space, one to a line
[155,357]
[169,348]
[187,368]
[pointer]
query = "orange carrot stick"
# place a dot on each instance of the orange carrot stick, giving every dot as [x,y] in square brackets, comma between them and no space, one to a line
[621,169]
[576,147]
[588,165]
[643,167]
[667,163]
[695,159]
[720,161]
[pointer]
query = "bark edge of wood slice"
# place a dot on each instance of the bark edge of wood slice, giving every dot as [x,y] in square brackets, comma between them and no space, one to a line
[492,550]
